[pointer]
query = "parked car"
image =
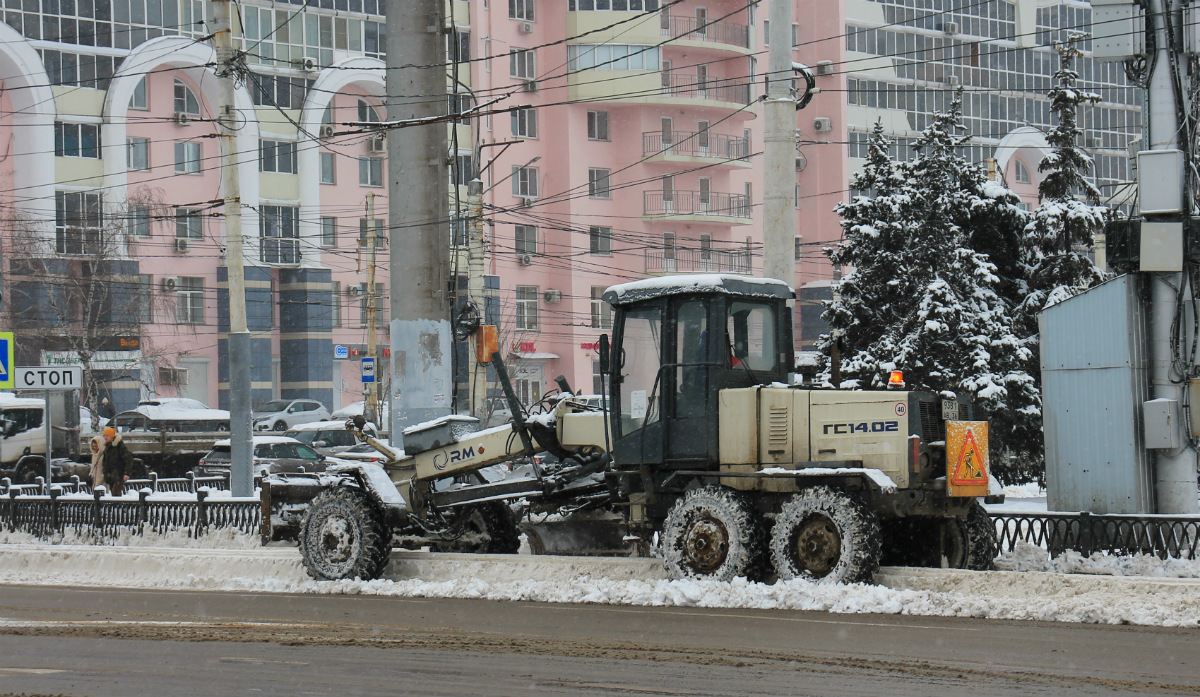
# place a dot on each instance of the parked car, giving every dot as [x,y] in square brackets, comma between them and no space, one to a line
[357,409]
[326,437]
[272,455]
[281,414]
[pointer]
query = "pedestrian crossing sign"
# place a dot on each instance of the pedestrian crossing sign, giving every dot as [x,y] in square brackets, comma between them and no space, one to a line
[6,360]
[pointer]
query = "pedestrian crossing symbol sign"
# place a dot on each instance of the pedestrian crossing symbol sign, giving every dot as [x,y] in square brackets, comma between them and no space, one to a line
[6,360]
[967,458]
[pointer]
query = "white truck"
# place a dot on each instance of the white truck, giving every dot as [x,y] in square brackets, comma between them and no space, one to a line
[22,438]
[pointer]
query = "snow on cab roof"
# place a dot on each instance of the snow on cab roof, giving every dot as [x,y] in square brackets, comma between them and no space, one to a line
[696,283]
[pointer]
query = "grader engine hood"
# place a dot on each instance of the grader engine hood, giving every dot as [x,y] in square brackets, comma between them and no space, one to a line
[790,428]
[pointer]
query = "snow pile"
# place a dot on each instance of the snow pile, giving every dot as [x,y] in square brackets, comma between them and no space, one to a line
[1029,557]
[934,592]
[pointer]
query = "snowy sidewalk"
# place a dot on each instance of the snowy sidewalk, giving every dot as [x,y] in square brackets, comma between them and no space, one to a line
[1014,595]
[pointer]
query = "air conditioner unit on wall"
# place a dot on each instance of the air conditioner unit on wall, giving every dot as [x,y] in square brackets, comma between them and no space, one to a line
[824,67]
[309,65]
[170,284]
[951,28]
[526,201]
[552,296]
[531,86]
[181,244]
[801,163]
[952,80]
[354,291]
[377,143]
[822,124]
[182,118]
[525,27]
[327,130]
[525,259]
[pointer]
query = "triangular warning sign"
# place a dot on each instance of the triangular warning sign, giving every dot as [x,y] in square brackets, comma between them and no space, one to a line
[969,468]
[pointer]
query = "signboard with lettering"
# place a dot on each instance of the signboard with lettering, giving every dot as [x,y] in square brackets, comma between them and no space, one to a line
[57,378]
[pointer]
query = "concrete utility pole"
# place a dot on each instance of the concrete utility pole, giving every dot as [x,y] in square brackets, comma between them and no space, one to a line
[371,407]
[475,289]
[1175,469]
[779,146]
[417,215]
[241,482]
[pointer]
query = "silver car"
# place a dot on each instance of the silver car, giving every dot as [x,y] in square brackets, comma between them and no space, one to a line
[281,414]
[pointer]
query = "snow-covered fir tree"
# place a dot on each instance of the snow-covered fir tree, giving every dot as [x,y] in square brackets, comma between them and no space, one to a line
[918,295]
[1055,251]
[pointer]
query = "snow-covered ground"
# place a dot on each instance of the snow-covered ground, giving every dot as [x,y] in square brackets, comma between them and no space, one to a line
[1029,586]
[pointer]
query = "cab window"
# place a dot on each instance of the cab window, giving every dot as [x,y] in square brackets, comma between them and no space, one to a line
[639,358]
[751,333]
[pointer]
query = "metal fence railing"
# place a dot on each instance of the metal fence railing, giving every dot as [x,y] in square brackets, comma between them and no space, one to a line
[694,86]
[73,506]
[695,144]
[678,202]
[1159,535]
[691,28]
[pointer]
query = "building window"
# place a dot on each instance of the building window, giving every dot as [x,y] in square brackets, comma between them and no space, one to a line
[601,240]
[279,234]
[277,156]
[669,245]
[187,157]
[612,57]
[799,251]
[464,169]
[525,182]
[460,103]
[335,304]
[525,241]
[328,168]
[145,298]
[189,224]
[282,92]
[77,140]
[366,112]
[139,221]
[614,5]
[524,122]
[138,153]
[520,9]
[185,100]
[460,229]
[597,125]
[140,98]
[1020,172]
[601,311]
[380,233]
[77,221]
[189,301]
[328,232]
[598,183]
[705,246]
[521,64]
[527,308]
[458,46]
[370,171]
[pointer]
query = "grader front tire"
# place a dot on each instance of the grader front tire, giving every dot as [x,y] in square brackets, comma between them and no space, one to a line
[343,536]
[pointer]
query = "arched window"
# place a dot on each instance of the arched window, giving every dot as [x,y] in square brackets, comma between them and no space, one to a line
[1020,172]
[185,100]
[366,112]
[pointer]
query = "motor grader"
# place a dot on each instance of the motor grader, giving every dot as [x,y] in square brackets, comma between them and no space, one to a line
[703,453]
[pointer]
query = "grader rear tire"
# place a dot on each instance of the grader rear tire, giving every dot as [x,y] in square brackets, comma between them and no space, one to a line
[343,536]
[826,535]
[713,532]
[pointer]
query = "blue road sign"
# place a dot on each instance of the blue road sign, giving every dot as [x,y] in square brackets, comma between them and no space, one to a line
[368,370]
[7,374]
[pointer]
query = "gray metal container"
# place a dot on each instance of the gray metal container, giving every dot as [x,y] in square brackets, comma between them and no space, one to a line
[1094,380]
[438,433]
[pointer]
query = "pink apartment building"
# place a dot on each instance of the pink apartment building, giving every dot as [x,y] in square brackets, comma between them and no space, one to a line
[617,139]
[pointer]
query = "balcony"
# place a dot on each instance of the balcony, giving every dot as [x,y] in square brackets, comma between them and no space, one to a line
[670,146]
[697,206]
[684,29]
[705,88]
[660,261]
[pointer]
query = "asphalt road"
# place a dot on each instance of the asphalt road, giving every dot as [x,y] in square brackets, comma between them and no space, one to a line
[102,642]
